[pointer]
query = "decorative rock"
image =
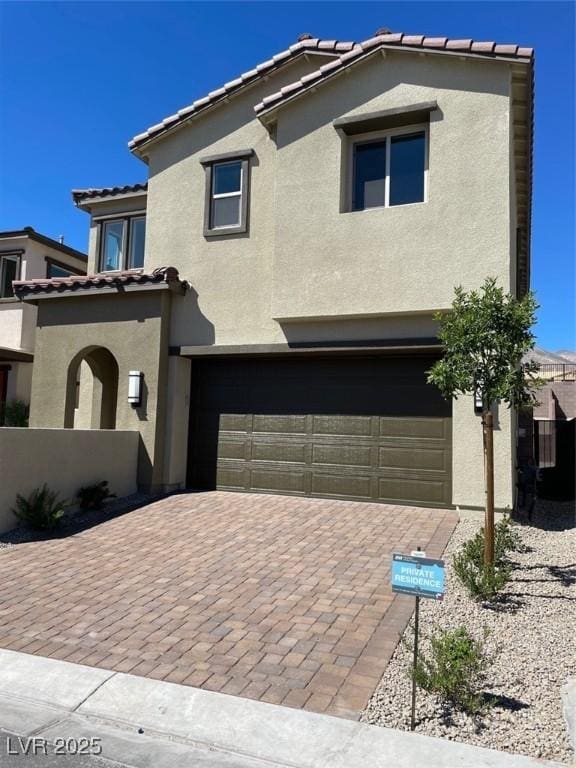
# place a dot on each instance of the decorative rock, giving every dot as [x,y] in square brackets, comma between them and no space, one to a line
[532,635]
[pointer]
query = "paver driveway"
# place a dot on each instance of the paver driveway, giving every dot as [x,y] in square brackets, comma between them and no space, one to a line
[269,597]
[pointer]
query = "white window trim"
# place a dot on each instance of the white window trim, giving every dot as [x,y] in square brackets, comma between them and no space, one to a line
[375,137]
[223,195]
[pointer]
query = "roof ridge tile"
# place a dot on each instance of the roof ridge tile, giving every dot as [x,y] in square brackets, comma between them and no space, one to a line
[399,40]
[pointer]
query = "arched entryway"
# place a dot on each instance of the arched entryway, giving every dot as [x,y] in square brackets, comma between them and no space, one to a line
[92,390]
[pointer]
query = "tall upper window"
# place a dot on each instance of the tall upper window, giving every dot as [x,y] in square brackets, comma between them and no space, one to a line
[8,273]
[122,244]
[226,208]
[226,203]
[389,171]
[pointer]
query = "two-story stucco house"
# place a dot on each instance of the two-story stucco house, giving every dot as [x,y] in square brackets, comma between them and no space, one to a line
[25,255]
[272,286]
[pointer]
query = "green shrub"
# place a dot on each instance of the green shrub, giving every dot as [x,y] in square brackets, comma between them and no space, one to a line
[14,413]
[94,496]
[506,539]
[455,670]
[42,510]
[483,582]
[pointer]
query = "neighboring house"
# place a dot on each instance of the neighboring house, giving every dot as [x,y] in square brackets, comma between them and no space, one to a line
[302,224]
[25,255]
[554,431]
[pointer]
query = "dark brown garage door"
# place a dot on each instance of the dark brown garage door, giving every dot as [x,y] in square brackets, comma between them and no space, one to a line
[367,428]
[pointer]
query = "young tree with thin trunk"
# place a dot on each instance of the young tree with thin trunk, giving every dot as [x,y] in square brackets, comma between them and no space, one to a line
[485,336]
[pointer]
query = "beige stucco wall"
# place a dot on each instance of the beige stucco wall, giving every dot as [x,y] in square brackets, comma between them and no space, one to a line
[231,277]
[302,257]
[403,258]
[66,460]
[133,327]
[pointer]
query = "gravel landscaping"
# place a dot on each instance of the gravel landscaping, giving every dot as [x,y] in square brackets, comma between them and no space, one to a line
[532,630]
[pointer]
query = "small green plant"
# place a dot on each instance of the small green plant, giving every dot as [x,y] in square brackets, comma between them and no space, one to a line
[484,580]
[94,496]
[14,413]
[455,670]
[42,510]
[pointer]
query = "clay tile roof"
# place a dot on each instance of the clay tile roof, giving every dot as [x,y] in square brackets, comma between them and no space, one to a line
[80,195]
[344,53]
[358,50]
[78,283]
[302,46]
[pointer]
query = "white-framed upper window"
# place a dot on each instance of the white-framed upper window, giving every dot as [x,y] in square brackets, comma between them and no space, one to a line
[8,272]
[122,243]
[389,169]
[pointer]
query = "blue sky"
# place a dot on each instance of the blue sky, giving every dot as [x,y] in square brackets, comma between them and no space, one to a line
[79,79]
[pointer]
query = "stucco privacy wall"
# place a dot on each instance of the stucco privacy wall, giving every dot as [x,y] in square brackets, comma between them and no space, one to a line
[64,459]
[403,258]
[468,456]
[134,328]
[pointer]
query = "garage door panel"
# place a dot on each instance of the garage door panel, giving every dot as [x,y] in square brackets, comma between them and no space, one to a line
[341,486]
[233,477]
[289,452]
[412,458]
[347,455]
[411,490]
[355,428]
[234,422]
[233,449]
[275,423]
[342,425]
[412,427]
[277,480]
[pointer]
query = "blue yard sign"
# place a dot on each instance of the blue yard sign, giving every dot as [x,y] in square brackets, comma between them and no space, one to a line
[418,576]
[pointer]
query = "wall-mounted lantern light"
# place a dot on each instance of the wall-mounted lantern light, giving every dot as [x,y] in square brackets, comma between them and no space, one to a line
[478,403]
[135,379]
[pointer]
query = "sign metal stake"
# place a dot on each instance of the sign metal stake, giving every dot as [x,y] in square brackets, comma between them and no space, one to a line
[415,661]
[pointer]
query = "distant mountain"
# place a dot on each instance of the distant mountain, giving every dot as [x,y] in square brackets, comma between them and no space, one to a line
[570,356]
[543,356]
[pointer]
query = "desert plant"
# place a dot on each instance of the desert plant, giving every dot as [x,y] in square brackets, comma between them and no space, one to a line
[455,669]
[42,510]
[486,336]
[484,580]
[14,413]
[94,496]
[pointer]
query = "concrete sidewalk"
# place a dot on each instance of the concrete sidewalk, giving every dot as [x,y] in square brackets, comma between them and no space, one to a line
[144,723]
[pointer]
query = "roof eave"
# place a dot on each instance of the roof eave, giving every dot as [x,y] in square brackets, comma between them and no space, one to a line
[139,147]
[87,203]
